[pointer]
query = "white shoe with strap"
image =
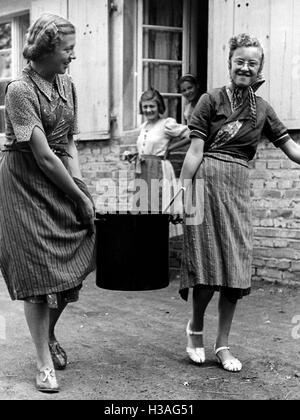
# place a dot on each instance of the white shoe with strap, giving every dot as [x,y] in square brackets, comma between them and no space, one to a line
[196,354]
[46,380]
[232,365]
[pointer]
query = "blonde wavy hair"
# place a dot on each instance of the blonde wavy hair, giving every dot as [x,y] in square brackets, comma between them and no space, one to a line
[44,35]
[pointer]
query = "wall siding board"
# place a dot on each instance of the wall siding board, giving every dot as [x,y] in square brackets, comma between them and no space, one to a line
[253,17]
[9,7]
[57,7]
[276,24]
[221,25]
[91,68]
[281,57]
[295,64]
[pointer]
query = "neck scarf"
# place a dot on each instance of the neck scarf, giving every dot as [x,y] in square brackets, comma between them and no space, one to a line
[240,94]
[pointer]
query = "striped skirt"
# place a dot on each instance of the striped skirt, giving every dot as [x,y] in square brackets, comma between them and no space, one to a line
[153,171]
[44,248]
[218,251]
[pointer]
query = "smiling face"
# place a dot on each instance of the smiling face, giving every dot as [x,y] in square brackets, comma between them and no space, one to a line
[150,110]
[59,60]
[189,90]
[245,65]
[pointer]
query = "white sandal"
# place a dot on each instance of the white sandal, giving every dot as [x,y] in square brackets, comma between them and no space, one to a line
[46,380]
[233,365]
[196,354]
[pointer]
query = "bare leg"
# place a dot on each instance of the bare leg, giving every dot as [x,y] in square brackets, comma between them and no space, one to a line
[37,317]
[201,298]
[54,317]
[226,313]
[59,355]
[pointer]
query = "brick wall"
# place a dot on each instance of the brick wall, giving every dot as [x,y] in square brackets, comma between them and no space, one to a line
[106,175]
[276,215]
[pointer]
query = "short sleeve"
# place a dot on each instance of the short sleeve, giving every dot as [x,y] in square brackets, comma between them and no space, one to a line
[22,110]
[175,130]
[74,129]
[274,129]
[201,116]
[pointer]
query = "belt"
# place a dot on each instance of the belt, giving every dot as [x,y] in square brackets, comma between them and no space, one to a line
[59,150]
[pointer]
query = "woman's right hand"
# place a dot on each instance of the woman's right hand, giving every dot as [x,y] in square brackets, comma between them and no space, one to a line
[86,212]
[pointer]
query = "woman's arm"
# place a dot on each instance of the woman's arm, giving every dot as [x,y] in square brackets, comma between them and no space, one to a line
[192,160]
[54,169]
[292,150]
[74,161]
[174,131]
[178,144]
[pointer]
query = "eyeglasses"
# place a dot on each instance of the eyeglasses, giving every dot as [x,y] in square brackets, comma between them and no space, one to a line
[249,63]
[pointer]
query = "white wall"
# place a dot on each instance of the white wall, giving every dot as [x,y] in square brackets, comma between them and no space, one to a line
[276,24]
[8,7]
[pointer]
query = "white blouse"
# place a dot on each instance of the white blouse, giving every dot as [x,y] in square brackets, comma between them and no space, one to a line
[154,139]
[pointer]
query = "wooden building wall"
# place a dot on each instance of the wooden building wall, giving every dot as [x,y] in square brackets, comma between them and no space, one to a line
[90,70]
[276,24]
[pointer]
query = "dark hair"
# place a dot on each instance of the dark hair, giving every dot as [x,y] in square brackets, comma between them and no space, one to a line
[153,95]
[188,77]
[45,34]
[245,40]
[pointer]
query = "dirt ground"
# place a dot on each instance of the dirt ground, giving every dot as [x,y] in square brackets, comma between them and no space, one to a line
[131,345]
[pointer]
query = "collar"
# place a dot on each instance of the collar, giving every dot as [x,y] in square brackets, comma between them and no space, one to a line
[43,85]
[255,85]
[226,108]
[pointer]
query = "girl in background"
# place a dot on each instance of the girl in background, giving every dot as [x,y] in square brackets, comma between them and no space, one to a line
[153,144]
[189,87]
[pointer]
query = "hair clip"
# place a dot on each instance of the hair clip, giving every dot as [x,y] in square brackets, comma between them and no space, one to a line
[55,27]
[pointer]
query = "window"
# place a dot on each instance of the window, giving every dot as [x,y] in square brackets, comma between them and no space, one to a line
[153,54]
[5,65]
[163,39]
[12,32]
[162,51]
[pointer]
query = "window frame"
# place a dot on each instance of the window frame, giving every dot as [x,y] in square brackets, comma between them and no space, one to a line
[186,49]
[16,46]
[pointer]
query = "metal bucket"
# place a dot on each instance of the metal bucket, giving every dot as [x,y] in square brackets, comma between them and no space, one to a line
[132,251]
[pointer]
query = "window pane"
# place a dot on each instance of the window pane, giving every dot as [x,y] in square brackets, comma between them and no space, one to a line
[3,85]
[162,77]
[163,12]
[162,45]
[23,24]
[2,125]
[5,64]
[5,50]
[5,36]
[173,108]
